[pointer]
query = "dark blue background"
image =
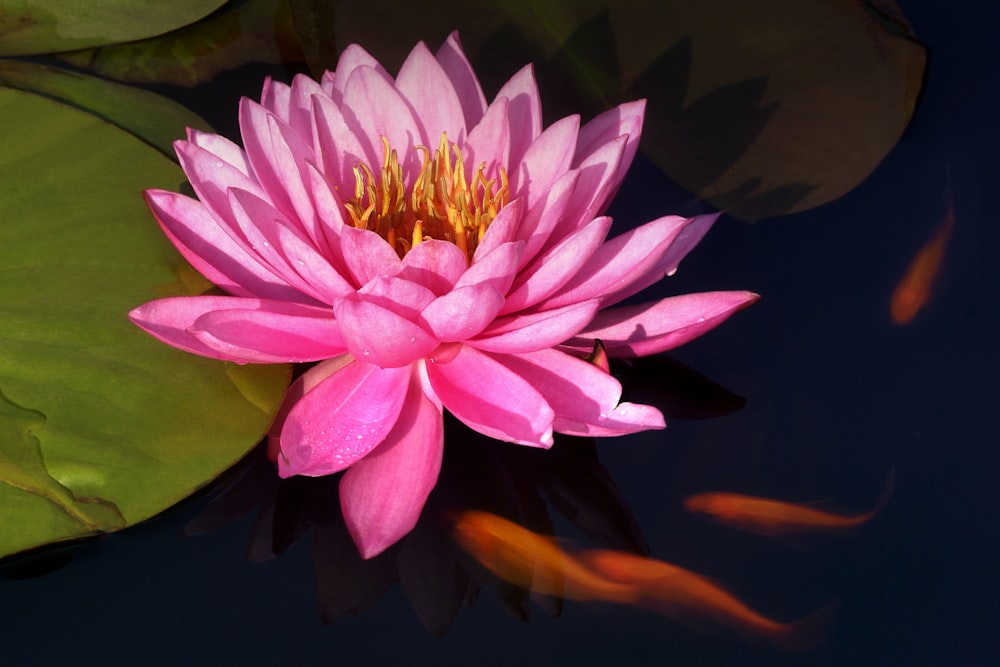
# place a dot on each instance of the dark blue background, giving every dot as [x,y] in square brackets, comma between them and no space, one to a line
[836,396]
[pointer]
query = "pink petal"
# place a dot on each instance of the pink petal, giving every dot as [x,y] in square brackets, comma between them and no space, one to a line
[690,235]
[299,388]
[553,269]
[584,398]
[381,337]
[286,252]
[536,331]
[435,264]
[490,398]
[502,230]
[373,108]
[431,94]
[489,141]
[212,176]
[657,326]
[524,112]
[228,263]
[621,262]
[339,150]
[462,313]
[383,494]
[546,159]
[463,78]
[278,155]
[497,267]
[367,255]
[276,98]
[342,419]
[273,332]
[220,147]
[403,297]
[352,58]
[625,119]
[300,112]
[170,320]
[547,214]
[599,180]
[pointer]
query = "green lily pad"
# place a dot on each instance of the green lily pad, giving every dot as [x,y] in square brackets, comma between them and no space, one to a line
[101,426]
[48,26]
[246,31]
[153,118]
[761,108]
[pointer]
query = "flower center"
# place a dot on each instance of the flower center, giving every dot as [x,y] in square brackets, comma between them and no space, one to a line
[442,205]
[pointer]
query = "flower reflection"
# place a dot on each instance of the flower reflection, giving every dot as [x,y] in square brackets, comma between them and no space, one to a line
[431,251]
[438,577]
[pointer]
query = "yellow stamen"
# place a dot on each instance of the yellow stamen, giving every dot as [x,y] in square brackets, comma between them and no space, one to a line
[442,204]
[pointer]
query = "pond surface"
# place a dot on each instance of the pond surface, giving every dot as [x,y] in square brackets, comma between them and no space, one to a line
[836,396]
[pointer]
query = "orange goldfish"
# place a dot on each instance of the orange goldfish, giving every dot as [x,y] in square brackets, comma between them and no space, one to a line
[914,289]
[688,596]
[777,518]
[532,561]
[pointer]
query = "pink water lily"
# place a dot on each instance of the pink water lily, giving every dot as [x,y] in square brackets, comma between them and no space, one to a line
[430,251]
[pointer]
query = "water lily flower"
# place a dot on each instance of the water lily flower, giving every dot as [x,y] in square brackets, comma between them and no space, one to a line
[431,251]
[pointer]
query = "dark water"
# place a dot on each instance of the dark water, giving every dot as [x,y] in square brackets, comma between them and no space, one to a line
[836,396]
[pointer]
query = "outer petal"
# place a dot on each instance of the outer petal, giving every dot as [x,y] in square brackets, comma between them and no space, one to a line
[650,328]
[171,320]
[621,262]
[383,494]
[228,263]
[584,398]
[299,388]
[690,235]
[221,147]
[380,336]
[342,419]
[212,175]
[276,333]
[492,399]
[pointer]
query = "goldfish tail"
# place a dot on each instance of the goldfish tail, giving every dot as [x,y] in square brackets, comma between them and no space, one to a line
[809,632]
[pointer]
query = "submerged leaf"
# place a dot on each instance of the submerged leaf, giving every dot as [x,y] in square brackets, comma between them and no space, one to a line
[100,425]
[763,108]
